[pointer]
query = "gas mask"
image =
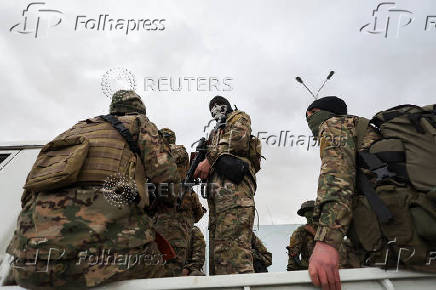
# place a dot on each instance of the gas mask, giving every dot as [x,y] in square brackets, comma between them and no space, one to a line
[219,112]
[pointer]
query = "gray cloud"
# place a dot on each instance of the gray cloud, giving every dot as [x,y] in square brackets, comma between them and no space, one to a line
[50,83]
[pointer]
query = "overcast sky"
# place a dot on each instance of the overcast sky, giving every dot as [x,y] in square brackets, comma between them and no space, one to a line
[51,81]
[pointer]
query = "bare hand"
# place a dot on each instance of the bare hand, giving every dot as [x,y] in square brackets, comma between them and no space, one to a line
[202,170]
[324,267]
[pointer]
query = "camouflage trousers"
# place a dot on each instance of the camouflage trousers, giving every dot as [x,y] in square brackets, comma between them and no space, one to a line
[231,219]
[83,273]
[176,229]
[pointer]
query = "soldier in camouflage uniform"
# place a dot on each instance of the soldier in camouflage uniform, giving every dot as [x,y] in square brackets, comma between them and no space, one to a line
[196,254]
[174,223]
[262,259]
[327,118]
[231,202]
[301,241]
[72,237]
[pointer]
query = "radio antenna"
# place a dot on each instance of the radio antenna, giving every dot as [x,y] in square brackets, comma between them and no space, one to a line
[301,82]
[327,79]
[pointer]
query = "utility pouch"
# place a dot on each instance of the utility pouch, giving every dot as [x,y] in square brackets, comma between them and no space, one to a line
[231,168]
[58,164]
[424,217]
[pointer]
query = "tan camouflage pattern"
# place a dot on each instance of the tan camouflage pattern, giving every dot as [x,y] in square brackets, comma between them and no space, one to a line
[78,219]
[175,224]
[233,139]
[231,220]
[196,253]
[301,243]
[126,102]
[231,206]
[336,183]
[168,135]
[178,233]
[182,159]
[260,252]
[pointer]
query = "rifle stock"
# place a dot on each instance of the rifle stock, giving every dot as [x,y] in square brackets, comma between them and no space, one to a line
[189,181]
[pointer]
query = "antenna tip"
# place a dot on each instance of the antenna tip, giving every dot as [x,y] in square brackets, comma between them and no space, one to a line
[299,80]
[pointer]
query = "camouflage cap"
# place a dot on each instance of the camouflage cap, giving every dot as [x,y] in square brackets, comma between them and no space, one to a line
[169,135]
[306,206]
[126,102]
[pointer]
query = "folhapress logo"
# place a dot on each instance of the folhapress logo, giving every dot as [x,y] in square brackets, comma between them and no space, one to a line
[37,19]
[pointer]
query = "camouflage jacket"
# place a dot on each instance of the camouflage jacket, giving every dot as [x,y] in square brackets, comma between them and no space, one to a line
[337,179]
[196,251]
[260,252]
[233,139]
[182,159]
[301,242]
[78,218]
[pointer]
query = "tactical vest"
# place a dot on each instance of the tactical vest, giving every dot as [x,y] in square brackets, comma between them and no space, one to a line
[396,210]
[108,154]
[251,154]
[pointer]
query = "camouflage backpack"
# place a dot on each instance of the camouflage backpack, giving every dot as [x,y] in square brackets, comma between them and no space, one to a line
[400,212]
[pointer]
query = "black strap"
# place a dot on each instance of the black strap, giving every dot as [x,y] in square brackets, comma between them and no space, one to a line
[373,163]
[380,209]
[400,170]
[392,156]
[124,132]
[392,113]
[370,161]
[415,119]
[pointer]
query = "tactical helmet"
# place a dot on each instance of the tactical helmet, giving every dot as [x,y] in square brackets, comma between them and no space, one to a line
[168,135]
[126,102]
[306,206]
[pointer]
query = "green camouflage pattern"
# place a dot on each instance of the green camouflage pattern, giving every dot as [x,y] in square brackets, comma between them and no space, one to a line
[126,102]
[336,183]
[233,139]
[196,253]
[306,206]
[260,252]
[59,226]
[231,220]
[301,243]
[178,233]
[175,224]
[168,135]
[231,206]
[182,159]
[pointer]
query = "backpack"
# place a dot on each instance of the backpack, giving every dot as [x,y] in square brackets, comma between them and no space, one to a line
[400,211]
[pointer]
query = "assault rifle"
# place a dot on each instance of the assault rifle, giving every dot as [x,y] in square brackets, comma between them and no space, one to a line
[189,181]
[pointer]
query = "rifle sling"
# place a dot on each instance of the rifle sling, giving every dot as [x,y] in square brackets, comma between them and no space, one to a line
[124,132]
